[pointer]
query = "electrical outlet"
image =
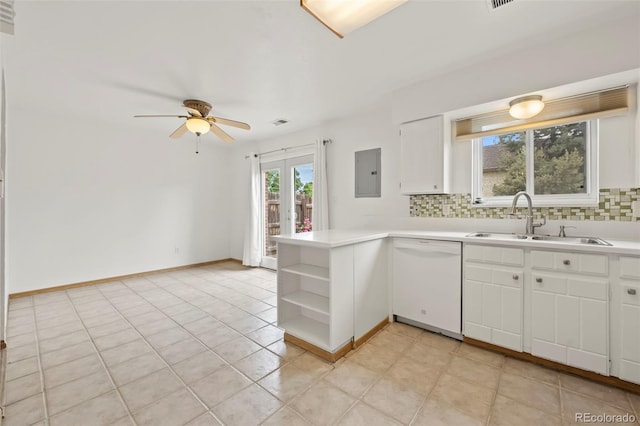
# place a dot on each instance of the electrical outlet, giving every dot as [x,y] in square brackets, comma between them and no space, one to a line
[635,208]
[176,250]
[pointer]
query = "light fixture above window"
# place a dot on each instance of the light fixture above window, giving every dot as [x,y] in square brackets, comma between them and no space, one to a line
[526,106]
[344,16]
[198,125]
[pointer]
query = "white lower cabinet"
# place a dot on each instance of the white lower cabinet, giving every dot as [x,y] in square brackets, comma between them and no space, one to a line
[492,295]
[370,286]
[570,310]
[315,294]
[569,325]
[329,295]
[629,319]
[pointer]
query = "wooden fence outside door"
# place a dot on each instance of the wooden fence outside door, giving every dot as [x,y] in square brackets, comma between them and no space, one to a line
[303,209]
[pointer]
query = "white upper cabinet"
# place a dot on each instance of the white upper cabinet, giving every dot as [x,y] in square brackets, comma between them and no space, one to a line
[425,157]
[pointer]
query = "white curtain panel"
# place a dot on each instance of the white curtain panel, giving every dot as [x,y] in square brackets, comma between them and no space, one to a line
[320,215]
[251,255]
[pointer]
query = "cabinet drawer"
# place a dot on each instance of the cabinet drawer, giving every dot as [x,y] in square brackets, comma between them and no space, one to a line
[596,264]
[511,277]
[630,267]
[571,285]
[494,254]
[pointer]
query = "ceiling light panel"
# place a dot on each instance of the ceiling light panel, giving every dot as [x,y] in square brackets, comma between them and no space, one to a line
[344,16]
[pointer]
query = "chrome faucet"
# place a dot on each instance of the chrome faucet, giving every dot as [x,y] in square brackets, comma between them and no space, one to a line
[531,226]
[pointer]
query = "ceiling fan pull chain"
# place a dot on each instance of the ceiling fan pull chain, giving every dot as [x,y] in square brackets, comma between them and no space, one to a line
[197,143]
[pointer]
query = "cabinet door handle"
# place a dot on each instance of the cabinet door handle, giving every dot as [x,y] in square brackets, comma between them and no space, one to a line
[515,276]
[538,280]
[631,291]
[566,262]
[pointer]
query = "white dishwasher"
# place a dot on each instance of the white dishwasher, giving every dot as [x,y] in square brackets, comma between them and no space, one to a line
[427,284]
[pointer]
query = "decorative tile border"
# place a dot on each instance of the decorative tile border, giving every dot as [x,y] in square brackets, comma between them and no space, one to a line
[614,204]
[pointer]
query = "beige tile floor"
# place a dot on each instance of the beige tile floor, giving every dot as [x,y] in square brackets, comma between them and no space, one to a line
[199,347]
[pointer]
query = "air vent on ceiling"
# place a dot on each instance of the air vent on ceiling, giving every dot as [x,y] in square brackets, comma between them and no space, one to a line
[279,122]
[6,16]
[494,4]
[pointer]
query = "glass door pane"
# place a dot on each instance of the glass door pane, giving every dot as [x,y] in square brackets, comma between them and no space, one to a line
[287,199]
[303,197]
[271,213]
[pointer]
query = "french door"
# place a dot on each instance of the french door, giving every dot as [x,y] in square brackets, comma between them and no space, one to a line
[287,200]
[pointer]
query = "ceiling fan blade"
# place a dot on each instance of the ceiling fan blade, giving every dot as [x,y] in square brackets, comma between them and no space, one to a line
[179,131]
[193,112]
[233,123]
[147,116]
[221,133]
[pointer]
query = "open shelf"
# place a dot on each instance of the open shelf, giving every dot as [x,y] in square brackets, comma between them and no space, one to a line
[308,300]
[307,270]
[309,330]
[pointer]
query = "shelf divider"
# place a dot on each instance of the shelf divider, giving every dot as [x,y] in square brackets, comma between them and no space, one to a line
[307,270]
[308,300]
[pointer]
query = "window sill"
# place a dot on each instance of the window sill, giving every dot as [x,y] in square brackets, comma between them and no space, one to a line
[587,203]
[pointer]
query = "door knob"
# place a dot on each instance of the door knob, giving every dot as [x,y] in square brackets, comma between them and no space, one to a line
[631,291]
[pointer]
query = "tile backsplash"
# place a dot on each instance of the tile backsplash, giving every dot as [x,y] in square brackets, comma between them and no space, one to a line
[614,204]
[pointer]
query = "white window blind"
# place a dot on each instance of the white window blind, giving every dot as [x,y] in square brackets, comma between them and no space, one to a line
[6,16]
[582,107]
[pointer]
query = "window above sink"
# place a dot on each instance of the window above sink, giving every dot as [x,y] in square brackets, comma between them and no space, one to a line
[556,165]
[552,155]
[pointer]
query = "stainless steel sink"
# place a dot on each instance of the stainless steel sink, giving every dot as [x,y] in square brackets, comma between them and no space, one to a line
[547,238]
[571,240]
[498,235]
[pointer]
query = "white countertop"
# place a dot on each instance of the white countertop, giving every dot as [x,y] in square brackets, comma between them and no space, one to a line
[332,237]
[337,237]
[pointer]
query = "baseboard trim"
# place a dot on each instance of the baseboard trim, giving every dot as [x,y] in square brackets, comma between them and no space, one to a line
[329,356]
[117,278]
[369,334]
[607,380]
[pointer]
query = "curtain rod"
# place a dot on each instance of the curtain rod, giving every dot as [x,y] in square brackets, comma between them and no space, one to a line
[324,142]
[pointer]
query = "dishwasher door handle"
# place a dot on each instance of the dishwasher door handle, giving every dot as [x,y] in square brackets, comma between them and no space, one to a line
[428,253]
[429,246]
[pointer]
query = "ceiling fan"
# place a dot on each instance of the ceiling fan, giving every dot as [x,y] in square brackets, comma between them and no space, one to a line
[199,122]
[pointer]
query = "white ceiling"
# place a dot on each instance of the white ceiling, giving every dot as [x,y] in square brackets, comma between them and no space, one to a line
[258,61]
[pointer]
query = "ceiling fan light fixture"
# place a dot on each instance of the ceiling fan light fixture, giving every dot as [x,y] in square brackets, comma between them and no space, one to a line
[526,106]
[342,17]
[198,125]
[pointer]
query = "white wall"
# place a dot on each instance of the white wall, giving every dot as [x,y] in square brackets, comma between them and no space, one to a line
[611,48]
[88,200]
